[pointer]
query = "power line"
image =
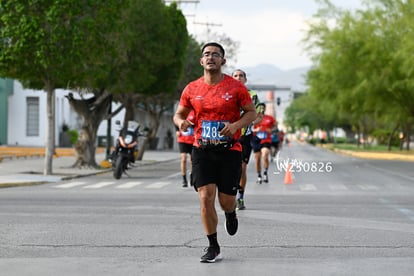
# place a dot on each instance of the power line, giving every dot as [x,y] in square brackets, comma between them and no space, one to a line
[208,24]
[179,2]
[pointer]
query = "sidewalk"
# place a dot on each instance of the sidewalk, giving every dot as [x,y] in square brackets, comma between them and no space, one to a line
[29,171]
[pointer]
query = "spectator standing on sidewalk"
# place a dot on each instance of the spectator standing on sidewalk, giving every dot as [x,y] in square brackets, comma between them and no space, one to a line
[185,141]
[216,99]
[245,139]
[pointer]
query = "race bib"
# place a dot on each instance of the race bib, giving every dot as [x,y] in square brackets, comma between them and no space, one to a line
[211,131]
[261,135]
[189,132]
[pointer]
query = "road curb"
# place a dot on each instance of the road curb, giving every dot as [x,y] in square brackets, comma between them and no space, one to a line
[376,155]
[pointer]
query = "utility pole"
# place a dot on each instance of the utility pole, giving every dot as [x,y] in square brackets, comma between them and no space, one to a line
[208,25]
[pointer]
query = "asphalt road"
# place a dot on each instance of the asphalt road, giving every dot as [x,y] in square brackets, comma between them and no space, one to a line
[340,216]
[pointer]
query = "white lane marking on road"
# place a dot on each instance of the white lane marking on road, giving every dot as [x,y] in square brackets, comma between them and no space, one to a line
[98,185]
[157,185]
[367,187]
[173,175]
[128,185]
[69,185]
[307,187]
[338,187]
[405,211]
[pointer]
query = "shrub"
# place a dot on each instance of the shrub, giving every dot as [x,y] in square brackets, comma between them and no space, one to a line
[74,135]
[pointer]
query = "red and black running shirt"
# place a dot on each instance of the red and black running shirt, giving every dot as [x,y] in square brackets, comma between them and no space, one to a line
[220,102]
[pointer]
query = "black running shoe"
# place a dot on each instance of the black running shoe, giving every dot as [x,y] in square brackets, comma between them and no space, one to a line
[185,184]
[212,255]
[232,223]
[240,204]
[265,179]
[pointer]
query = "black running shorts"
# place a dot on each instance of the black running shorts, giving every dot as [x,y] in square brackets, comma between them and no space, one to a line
[255,143]
[247,148]
[222,168]
[266,145]
[275,144]
[185,148]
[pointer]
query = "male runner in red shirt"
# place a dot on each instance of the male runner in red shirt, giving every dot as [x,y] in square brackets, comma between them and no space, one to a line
[216,99]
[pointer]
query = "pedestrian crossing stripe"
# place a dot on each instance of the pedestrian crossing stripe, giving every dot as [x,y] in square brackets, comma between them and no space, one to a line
[70,185]
[368,187]
[163,184]
[128,185]
[157,185]
[307,187]
[98,185]
[338,187]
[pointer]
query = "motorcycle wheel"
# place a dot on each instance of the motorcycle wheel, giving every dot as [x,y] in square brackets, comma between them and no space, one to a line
[118,167]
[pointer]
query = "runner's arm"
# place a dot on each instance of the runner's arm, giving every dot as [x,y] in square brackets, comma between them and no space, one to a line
[180,118]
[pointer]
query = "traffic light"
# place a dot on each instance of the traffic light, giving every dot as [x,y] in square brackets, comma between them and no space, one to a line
[278,100]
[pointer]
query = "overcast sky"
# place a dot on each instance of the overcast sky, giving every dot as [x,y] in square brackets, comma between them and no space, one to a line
[269,31]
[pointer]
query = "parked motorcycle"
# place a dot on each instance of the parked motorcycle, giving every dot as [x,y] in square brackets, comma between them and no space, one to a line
[126,148]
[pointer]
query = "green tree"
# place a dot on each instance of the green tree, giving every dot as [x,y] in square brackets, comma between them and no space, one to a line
[357,63]
[192,68]
[97,78]
[41,45]
[160,96]
[152,59]
[149,46]
[307,112]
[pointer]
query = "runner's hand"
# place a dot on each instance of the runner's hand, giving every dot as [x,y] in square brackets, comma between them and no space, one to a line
[185,124]
[228,130]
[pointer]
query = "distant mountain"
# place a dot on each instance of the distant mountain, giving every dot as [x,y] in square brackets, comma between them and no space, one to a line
[270,74]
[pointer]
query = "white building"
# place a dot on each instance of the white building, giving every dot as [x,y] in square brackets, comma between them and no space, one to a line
[23,117]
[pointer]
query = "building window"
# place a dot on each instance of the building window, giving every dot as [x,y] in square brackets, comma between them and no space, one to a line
[32,119]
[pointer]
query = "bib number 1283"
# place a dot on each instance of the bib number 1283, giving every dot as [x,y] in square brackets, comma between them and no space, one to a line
[211,131]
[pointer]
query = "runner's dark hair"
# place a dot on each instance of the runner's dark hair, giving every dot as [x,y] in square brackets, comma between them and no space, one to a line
[214,44]
[244,73]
